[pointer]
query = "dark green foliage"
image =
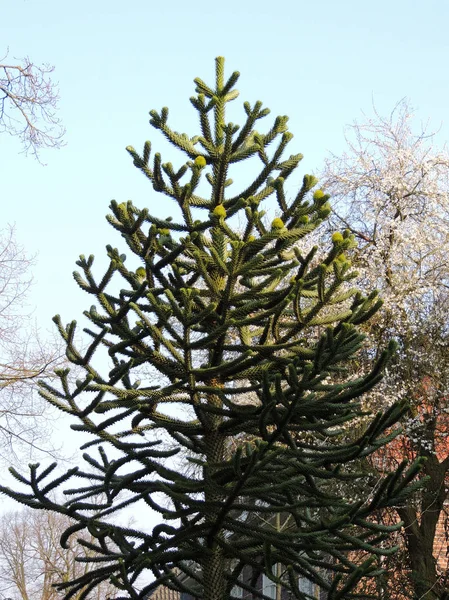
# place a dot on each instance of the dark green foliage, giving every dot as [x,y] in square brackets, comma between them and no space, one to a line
[239,439]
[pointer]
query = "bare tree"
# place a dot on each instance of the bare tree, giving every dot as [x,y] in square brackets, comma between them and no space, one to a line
[32,558]
[28,104]
[23,356]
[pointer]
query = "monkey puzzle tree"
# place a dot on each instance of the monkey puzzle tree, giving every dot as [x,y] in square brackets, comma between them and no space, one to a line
[250,336]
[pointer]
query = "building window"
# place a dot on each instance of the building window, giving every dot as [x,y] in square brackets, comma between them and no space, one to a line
[308,587]
[268,587]
[237,591]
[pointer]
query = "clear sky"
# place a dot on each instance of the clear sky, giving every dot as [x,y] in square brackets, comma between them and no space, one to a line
[320,62]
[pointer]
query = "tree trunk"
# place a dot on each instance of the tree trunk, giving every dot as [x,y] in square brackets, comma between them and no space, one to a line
[213,566]
[424,573]
[420,530]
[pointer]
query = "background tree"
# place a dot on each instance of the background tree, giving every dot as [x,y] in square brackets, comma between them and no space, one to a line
[24,358]
[391,190]
[221,313]
[32,560]
[28,104]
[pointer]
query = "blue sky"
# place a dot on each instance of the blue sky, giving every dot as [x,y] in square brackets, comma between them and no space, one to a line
[320,62]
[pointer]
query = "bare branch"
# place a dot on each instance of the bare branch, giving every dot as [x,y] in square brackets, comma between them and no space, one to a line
[24,357]
[32,559]
[28,105]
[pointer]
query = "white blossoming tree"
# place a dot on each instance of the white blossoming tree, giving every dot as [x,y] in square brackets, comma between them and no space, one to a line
[390,188]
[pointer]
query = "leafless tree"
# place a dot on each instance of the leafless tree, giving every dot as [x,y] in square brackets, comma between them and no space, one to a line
[32,559]
[28,104]
[23,356]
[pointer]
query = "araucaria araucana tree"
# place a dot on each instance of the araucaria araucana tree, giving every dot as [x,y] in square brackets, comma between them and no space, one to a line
[250,337]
